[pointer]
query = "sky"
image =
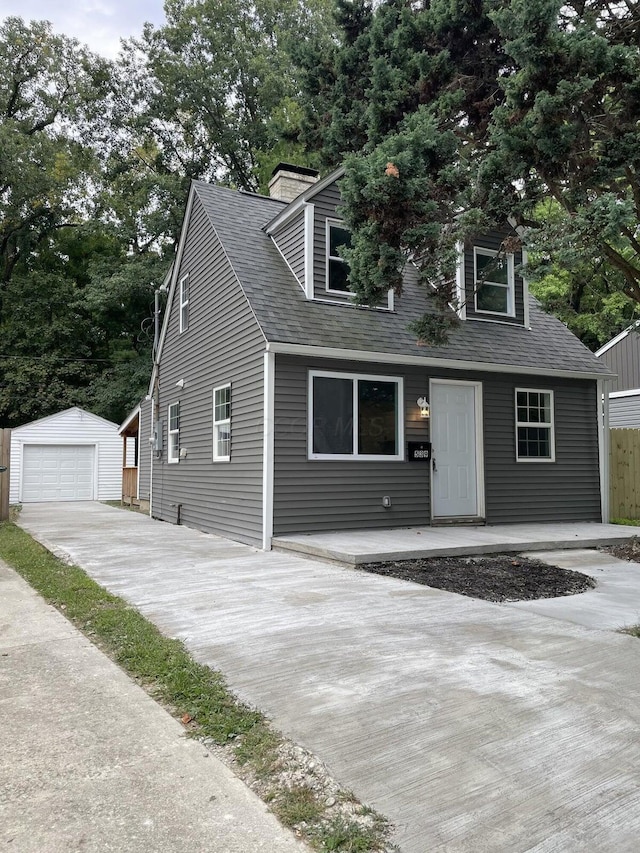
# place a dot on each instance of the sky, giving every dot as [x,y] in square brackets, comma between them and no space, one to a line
[98,23]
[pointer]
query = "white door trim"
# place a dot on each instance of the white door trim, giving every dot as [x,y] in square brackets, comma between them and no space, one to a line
[479,430]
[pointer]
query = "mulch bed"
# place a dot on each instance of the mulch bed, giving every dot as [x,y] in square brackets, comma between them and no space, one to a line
[629,550]
[494,577]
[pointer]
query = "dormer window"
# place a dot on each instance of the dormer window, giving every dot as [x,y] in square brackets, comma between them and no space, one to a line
[494,282]
[337,267]
[184,303]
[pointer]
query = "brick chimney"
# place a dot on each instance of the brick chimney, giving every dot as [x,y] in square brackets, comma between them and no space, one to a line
[289,181]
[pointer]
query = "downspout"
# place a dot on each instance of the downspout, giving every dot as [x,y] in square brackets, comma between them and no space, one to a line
[604,437]
[268,450]
[154,394]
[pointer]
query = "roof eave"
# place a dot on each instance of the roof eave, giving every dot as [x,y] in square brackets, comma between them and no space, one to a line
[286,348]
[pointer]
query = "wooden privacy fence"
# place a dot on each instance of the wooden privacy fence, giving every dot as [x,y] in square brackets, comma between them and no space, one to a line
[625,473]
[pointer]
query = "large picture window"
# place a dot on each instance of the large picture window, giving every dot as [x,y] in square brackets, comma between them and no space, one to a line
[337,267]
[494,282]
[354,416]
[535,440]
[222,423]
[173,421]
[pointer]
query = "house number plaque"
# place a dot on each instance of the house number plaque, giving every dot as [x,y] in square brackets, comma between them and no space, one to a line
[419,451]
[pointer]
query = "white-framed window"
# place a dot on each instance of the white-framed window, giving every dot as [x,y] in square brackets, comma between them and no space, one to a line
[337,267]
[494,282]
[173,426]
[355,416]
[222,423]
[535,438]
[184,303]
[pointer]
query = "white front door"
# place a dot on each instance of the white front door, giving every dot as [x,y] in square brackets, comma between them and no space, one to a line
[455,417]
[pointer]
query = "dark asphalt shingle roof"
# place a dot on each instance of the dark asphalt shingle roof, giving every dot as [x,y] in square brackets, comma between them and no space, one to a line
[285,314]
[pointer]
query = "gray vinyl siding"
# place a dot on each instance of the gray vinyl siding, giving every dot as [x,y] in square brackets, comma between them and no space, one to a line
[223,344]
[316,495]
[290,241]
[624,412]
[565,490]
[330,495]
[624,359]
[144,451]
[325,204]
[491,241]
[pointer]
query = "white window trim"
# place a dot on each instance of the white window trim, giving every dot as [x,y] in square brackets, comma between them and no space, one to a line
[309,221]
[355,456]
[173,460]
[339,224]
[216,424]
[184,304]
[461,296]
[510,286]
[550,425]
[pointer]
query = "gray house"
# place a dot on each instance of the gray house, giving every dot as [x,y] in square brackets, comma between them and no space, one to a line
[622,355]
[280,407]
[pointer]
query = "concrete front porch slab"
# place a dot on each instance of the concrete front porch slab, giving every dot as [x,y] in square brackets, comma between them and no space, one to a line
[405,543]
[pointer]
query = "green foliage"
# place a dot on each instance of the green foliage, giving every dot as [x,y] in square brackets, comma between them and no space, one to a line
[96,159]
[575,283]
[215,90]
[508,103]
[296,805]
[130,639]
[50,95]
[342,836]
[397,203]
[568,126]
[194,693]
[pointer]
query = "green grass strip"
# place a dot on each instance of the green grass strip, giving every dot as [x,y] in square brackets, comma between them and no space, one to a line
[167,671]
[160,664]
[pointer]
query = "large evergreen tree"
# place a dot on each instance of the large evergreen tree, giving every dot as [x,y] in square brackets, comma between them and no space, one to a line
[474,112]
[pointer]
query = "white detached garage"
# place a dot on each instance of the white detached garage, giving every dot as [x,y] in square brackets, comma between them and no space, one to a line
[70,456]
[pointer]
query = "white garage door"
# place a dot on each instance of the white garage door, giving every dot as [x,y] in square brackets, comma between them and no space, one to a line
[57,473]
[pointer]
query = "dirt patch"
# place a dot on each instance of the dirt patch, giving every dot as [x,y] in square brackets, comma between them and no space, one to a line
[629,550]
[494,577]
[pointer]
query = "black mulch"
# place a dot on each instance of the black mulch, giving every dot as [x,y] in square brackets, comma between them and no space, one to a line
[495,577]
[629,550]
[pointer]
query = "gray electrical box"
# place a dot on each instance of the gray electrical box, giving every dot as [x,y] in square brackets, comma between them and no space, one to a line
[157,437]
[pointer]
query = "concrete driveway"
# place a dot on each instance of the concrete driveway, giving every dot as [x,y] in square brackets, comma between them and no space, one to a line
[472,726]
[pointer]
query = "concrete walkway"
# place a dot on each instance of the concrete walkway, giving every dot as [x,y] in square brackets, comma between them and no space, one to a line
[472,726]
[88,762]
[612,605]
[403,543]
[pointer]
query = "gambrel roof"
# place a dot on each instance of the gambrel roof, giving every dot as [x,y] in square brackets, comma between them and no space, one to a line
[292,323]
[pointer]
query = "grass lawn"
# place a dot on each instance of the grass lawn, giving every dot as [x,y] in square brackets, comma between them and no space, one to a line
[199,697]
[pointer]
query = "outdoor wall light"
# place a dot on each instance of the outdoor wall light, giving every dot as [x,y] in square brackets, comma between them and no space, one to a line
[423,405]
[180,383]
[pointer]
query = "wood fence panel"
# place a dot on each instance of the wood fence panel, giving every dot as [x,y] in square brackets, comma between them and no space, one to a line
[130,483]
[625,473]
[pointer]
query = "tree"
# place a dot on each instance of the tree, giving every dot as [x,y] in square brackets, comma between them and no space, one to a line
[50,95]
[581,288]
[214,89]
[475,112]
